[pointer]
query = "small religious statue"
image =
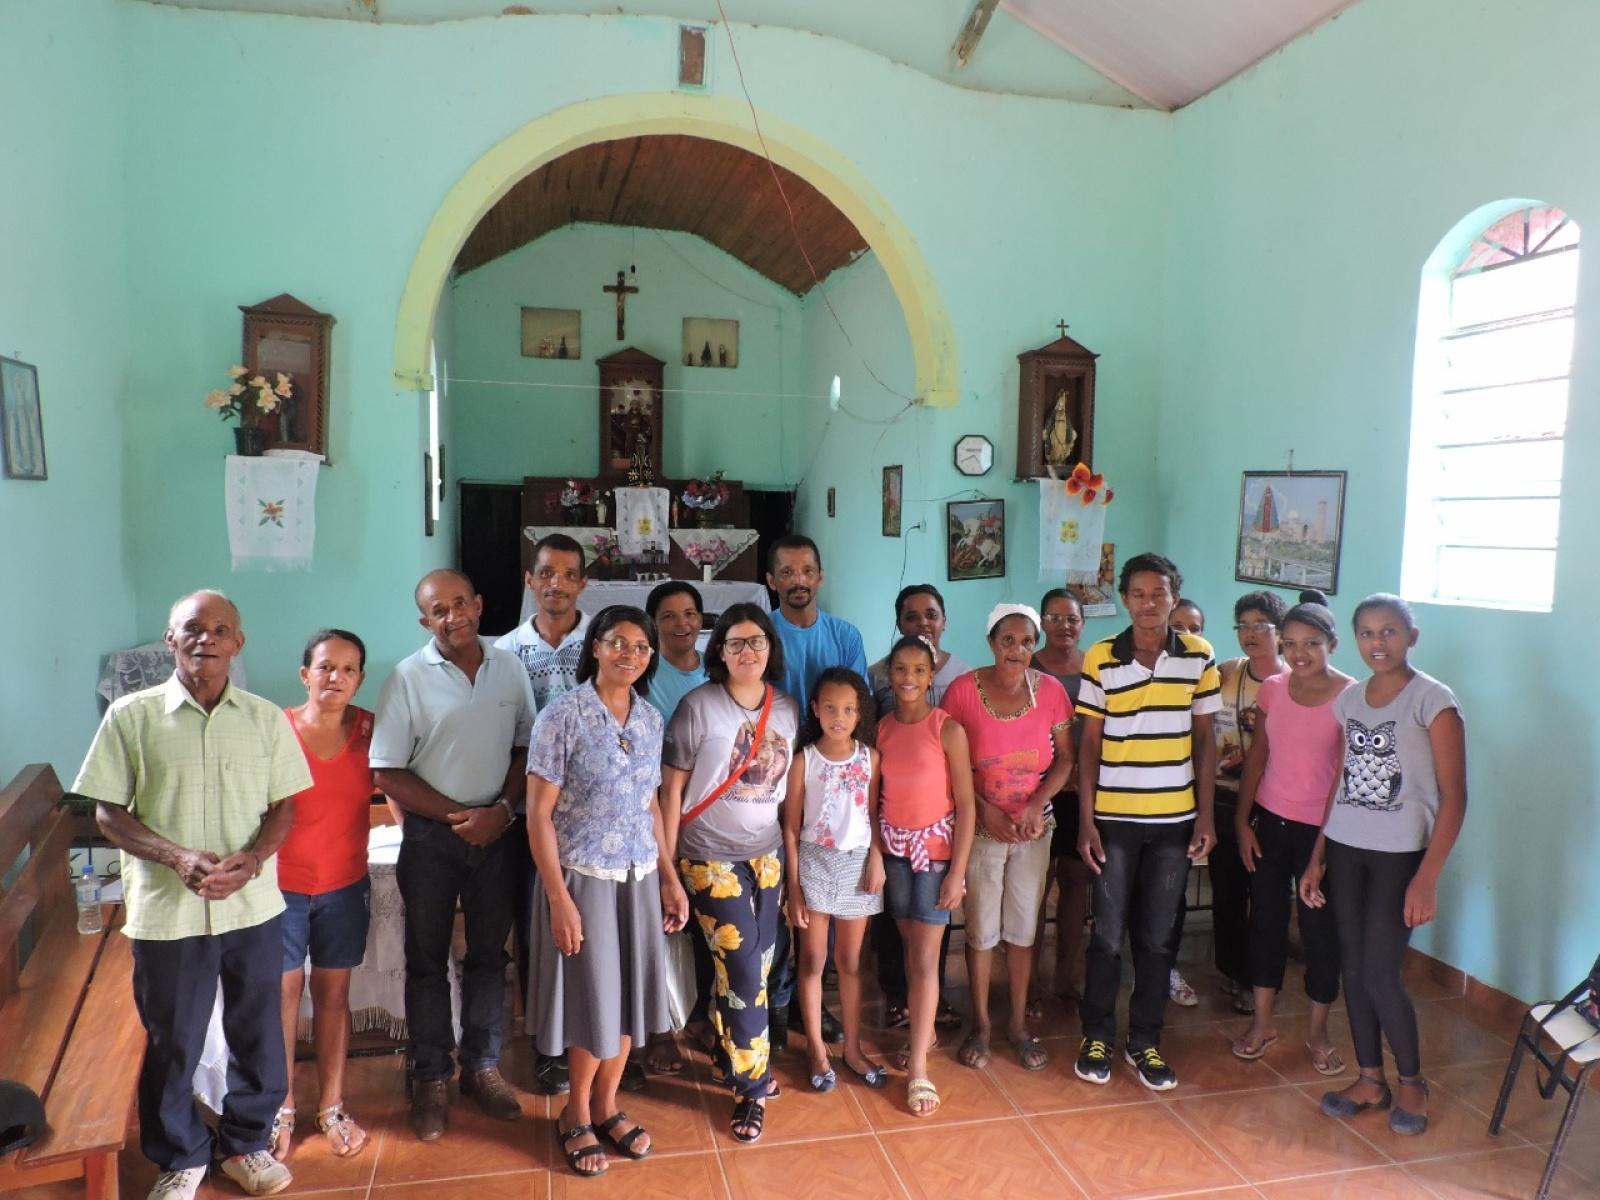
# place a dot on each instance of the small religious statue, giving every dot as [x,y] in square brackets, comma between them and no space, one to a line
[600,509]
[622,291]
[705,355]
[561,350]
[722,355]
[640,473]
[1060,438]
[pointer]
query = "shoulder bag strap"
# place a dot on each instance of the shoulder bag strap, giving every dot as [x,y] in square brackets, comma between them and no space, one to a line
[738,772]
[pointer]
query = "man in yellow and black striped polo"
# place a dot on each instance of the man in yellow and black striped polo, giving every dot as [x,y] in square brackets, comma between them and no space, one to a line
[1146,768]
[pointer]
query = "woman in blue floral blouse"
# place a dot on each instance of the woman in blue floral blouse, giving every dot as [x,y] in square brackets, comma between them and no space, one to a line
[608,895]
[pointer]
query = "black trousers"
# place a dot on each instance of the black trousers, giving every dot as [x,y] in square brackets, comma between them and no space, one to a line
[175,988]
[437,869]
[1367,891]
[1285,850]
[1144,873]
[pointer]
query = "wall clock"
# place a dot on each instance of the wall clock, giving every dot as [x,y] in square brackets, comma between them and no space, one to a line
[974,454]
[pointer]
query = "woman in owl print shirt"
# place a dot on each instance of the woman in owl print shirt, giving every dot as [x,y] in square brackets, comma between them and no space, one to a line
[1393,817]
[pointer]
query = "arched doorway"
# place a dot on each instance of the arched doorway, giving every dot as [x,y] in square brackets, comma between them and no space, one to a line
[716,118]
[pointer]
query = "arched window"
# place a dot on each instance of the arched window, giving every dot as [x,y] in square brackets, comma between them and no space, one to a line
[1489,414]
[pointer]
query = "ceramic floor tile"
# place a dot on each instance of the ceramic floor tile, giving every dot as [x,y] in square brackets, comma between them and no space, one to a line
[1203,1058]
[1000,1159]
[838,1169]
[798,1114]
[1139,1150]
[1378,1183]
[675,1177]
[965,1095]
[1504,1175]
[1454,1127]
[472,1145]
[1278,1134]
[1450,1039]
[1057,1089]
[1288,1055]
[1529,1115]
[519,1185]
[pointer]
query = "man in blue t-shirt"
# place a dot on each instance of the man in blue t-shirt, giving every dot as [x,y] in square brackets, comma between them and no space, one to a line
[812,641]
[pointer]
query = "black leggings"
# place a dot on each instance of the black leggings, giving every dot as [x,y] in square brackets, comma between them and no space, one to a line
[1367,890]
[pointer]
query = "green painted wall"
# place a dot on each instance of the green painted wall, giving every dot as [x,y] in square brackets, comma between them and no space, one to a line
[355,159]
[62,308]
[547,424]
[1309,193]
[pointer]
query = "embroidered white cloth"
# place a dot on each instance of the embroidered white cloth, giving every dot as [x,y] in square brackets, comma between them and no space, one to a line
[641,520]
[1070,533]
[714,547]
[271,509]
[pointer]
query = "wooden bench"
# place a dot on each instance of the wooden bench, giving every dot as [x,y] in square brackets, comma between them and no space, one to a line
[68,1026]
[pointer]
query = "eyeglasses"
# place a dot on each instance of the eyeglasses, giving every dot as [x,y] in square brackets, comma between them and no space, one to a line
[1253,627]
[1061,619]
[758,643]
[621,645]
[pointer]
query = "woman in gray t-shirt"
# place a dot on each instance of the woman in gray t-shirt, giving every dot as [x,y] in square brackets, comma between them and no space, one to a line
[727,835]
[1394,815]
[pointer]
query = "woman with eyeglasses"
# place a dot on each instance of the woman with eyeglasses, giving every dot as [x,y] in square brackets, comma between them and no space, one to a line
[728,751]
[608,893]
[1257,617]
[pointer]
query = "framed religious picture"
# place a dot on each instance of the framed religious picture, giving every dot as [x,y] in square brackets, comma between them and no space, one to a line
[21,426]
[282,336]
[893,486]
[552,333]
[975,539]
[631,415]
[1098,599]
[710,342]
[1055,409]
[1291,524]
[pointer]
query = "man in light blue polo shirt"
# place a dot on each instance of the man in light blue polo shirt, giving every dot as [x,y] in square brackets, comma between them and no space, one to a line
[448,746]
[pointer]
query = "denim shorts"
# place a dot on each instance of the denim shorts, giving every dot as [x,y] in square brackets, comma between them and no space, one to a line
[914,895]
[332,925]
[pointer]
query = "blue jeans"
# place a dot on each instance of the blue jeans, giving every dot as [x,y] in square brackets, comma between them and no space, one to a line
[436,870]
[1141,882]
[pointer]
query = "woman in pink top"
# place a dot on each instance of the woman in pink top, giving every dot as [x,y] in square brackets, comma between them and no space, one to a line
[925,817]
[1291,768]
[1019,726]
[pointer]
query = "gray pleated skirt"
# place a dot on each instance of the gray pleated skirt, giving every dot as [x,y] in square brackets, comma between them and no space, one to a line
[615,985]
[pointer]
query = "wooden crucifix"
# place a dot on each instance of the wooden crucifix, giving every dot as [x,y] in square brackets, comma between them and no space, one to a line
[623,291]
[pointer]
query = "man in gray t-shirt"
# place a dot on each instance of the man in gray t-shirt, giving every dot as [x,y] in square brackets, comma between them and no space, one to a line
[1388,793]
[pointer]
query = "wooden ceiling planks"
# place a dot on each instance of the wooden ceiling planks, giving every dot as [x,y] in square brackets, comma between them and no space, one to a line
[719,192]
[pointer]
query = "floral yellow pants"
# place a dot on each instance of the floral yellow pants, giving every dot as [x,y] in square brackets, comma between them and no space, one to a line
[736,905]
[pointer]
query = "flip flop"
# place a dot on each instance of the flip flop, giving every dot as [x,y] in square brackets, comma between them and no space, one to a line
[974,1051]
[1031,1053]
[1242,1049]
[922,1091]
[1325,1062]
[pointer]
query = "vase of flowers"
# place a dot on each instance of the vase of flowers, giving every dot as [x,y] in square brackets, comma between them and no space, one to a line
[576,501]
[705,496]
[708,555]
[607,555]
[248,394]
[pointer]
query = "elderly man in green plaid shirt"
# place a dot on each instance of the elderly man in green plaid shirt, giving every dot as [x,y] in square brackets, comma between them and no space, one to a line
[192,782]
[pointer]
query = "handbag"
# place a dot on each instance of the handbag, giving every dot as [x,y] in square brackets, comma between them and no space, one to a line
[738,772]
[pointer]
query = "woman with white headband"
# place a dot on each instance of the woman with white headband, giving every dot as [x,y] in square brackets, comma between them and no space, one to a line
[1018,722]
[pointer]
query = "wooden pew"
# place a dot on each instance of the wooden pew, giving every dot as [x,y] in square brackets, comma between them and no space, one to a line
[70,1029]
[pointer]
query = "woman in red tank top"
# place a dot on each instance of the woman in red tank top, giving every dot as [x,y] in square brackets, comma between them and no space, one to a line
[322,872]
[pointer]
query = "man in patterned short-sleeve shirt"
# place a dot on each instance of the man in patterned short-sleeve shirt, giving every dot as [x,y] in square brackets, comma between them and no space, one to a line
[192,781]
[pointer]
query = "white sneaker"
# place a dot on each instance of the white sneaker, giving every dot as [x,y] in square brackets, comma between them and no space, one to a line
[1180,991]
[258,1173]
[177,1185]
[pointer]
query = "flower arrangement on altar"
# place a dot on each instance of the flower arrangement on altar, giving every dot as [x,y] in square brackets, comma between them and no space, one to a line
[706,494]
[607,554]
[231,402]
[1086,485]
[576,495]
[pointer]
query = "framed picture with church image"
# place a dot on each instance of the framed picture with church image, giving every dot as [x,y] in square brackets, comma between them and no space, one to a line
[1291,526]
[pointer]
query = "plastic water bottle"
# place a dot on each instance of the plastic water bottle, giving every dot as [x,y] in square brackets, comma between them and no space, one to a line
[89,919]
